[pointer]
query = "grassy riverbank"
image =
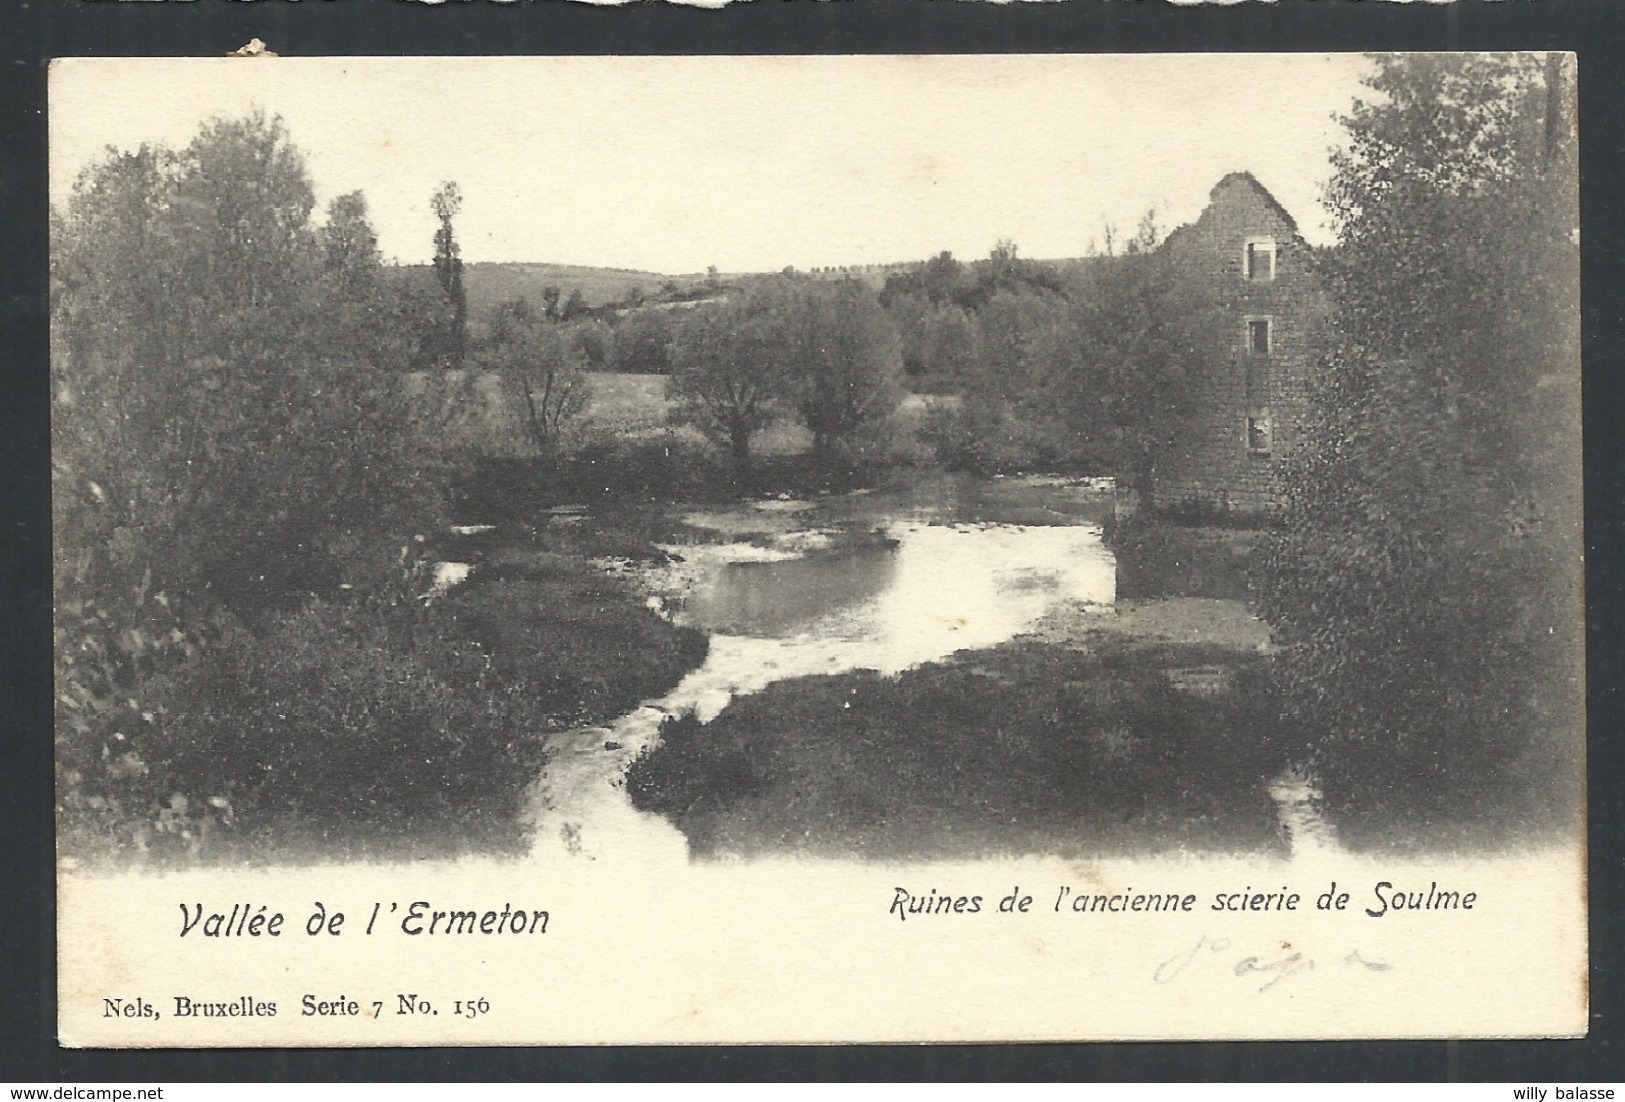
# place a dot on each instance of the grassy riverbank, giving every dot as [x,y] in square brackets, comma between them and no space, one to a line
[669,468]
[370,724]
[1029,747]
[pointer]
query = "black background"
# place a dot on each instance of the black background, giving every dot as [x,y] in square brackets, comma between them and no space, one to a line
[32,32]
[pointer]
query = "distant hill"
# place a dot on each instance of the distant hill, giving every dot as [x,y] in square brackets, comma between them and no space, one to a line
[491,284]
[875,275]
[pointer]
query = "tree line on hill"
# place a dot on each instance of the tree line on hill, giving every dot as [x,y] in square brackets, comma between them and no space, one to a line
[1081,369]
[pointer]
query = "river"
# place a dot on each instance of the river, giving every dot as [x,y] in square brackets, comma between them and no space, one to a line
[881,580]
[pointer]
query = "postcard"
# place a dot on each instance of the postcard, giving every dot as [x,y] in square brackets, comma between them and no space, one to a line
[651,550]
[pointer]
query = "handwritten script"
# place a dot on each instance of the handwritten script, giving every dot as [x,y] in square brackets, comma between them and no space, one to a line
[1272,968]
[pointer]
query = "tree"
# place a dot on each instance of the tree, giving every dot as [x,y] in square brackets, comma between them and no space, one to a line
[1003,265]
[1426,587]
[210,382]
[381,318]
[725,373]
[349,245]
[551,295]
[1109,234]
[933,282]
[541,369]
[1116,368]
[643,341]
[1004,270]
[942,277]
[448,269]
[227,443]
[414,319]
[948,347]
[908,310]
[840,357]
[597,343]
[118,499]
[1007,377]
[1148,234]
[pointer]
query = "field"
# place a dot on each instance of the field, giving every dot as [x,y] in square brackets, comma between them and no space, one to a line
[630,405]
[627,403]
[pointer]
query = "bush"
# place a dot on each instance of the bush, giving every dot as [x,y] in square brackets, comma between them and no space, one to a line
[581,647]
[669,466]
[111,677]
[989,437]
[654,466]
[1026,748]
[359,727]
[368,727]
[1426,589]
[1157,557]
[663,465]
[691,782]
[897,441]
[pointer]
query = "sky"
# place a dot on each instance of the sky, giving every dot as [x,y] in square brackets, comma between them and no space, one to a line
[673,164]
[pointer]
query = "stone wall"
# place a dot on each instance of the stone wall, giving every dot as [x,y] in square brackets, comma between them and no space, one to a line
[1213,467]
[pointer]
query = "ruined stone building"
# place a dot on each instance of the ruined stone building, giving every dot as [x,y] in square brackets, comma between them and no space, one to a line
[1245,256]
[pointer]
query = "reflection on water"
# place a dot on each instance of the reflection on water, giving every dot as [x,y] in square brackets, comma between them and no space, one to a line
[768,599]
[943,589]
[906,579]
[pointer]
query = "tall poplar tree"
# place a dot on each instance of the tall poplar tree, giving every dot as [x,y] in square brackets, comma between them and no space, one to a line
[448,269]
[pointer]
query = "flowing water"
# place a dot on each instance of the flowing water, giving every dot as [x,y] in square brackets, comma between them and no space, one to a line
[880,581]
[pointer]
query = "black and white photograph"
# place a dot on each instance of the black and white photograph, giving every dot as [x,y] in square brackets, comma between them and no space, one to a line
[825,548]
